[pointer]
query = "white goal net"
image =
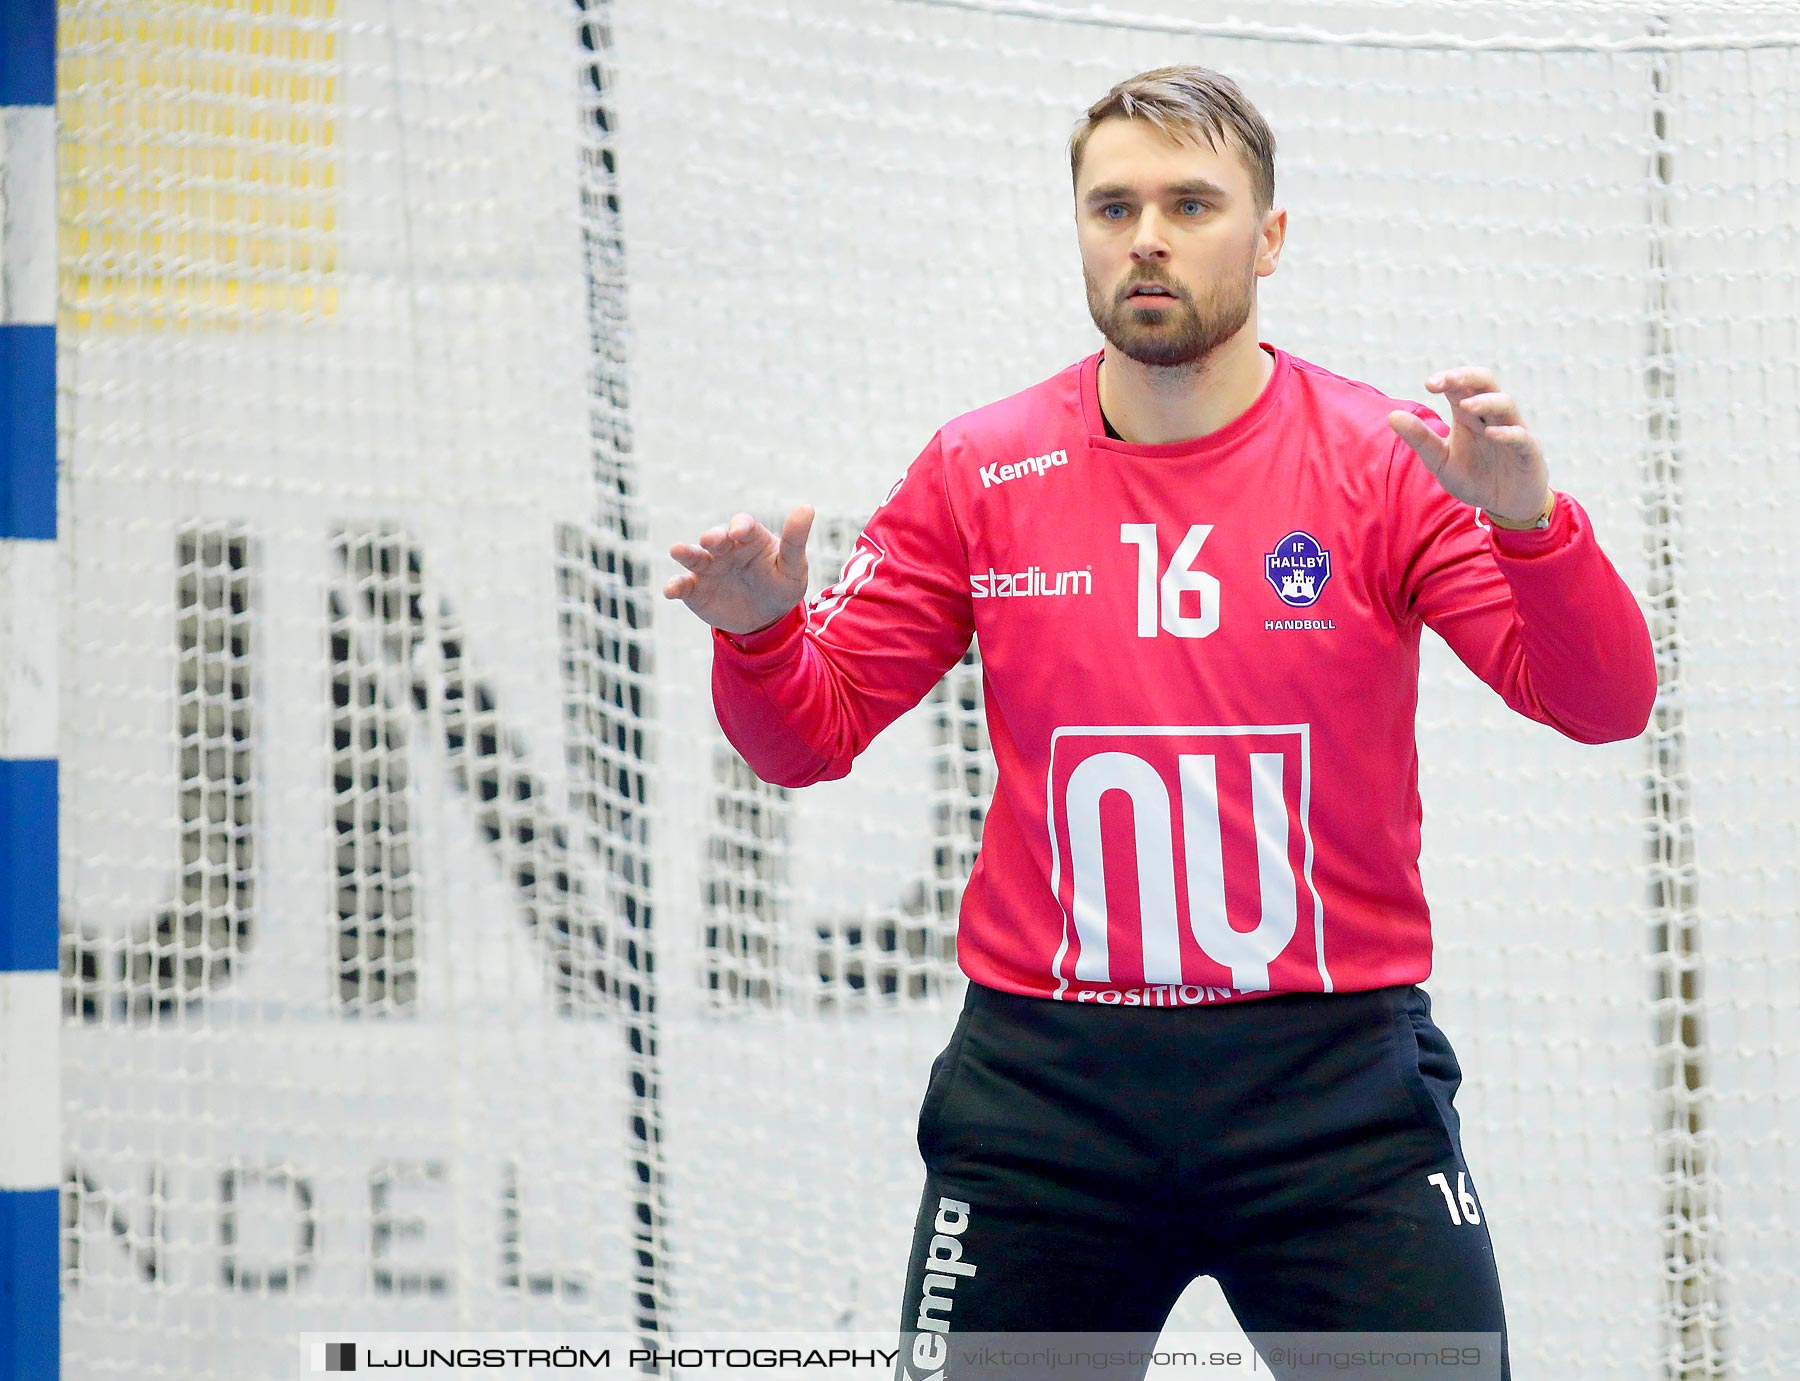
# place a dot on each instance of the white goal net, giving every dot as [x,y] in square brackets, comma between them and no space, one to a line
[430,960]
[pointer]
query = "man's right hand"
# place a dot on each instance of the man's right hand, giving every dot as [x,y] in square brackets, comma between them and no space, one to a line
[741,577]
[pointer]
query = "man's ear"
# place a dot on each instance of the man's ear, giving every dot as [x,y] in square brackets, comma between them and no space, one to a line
[1274,236]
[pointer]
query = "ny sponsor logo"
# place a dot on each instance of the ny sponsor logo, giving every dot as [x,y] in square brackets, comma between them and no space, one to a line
[1031,465]
[1182,860]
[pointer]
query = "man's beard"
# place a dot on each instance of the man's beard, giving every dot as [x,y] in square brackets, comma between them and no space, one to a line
[1184,332]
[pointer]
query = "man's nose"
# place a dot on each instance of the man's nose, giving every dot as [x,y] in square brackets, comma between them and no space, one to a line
[1149,242]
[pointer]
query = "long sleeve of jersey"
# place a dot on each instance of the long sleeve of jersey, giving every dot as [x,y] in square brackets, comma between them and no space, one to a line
[1540,616]
[801,698]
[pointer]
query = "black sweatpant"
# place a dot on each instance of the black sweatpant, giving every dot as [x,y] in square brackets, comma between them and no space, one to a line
[1085,1163]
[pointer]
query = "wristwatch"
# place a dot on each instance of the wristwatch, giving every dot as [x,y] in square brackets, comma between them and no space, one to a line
[1543,519]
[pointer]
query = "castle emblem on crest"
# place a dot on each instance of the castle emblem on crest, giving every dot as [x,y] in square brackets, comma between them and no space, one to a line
[1298,569]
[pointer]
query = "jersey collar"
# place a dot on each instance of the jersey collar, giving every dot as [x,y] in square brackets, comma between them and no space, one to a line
[1228,436]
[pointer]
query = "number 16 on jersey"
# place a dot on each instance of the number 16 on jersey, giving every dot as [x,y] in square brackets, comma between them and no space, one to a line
[1184,856]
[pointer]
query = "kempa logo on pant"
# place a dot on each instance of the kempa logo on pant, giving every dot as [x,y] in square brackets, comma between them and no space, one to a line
[1032,465]
[944,1266]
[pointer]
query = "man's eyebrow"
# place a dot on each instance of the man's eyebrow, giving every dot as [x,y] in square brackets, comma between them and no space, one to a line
[1193,187]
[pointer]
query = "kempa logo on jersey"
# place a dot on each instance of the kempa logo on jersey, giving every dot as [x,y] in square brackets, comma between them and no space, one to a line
[1030,582]
[937,1296]
[1033,465]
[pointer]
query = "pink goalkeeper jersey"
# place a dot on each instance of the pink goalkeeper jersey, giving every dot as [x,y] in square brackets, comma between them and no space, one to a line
[1201,665]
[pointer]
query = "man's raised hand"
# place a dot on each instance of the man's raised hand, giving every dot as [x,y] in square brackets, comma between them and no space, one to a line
[741,577]
[1490,460]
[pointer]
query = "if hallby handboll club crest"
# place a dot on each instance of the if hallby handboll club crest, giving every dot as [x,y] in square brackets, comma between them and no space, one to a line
[1298,569]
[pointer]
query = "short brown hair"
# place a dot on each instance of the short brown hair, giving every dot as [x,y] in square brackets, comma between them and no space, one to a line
[1193,102]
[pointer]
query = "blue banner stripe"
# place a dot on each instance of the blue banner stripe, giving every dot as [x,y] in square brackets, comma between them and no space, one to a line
[30,1303]
[28,863]
[28,432]
[28,52]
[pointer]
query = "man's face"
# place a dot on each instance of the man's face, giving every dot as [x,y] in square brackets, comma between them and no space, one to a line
[1171,242]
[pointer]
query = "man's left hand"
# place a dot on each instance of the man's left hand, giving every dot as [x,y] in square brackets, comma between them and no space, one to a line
[1489,459]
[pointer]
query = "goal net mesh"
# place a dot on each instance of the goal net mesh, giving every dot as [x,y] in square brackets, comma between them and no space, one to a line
[430,959]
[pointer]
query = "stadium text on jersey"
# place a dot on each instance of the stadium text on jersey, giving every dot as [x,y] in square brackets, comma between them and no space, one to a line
[1033,580]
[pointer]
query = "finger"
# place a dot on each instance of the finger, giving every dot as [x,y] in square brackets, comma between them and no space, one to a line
[1495,409]
[694,558]
[1520,438]
[679,586]
[1426,444]
[1463,380]
[793,537]
[715,539]
[742,528]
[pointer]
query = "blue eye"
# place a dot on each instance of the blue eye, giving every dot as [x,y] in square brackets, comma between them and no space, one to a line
[1192,206]
[1109,208]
